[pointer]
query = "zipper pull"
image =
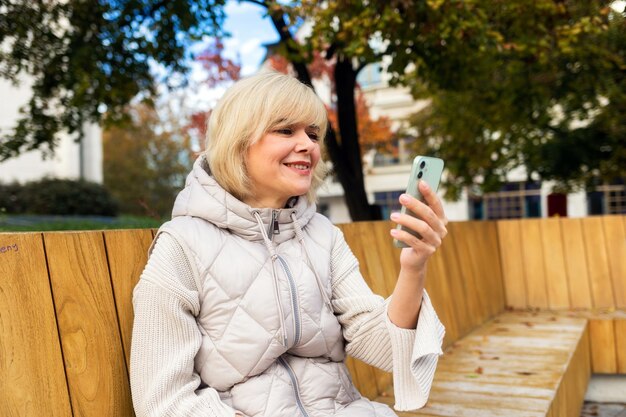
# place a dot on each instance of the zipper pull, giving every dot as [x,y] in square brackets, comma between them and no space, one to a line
[276,230]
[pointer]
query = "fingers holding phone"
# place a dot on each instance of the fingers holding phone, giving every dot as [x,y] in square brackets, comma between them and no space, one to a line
[419,223]
[425,206]
[433,201]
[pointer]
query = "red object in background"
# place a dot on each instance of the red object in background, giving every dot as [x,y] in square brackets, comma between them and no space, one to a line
[557,205]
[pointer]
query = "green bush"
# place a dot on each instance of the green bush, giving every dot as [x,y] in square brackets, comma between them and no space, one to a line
[10,201]
[58,196]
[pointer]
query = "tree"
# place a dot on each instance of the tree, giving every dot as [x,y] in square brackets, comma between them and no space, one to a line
[145,162]
[540,84]
[89,59]
[504,67]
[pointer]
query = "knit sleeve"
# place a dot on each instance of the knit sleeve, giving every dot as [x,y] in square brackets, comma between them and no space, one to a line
[166,338]
[411,354]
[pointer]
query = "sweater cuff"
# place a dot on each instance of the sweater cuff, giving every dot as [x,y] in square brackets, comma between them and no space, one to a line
[415,355]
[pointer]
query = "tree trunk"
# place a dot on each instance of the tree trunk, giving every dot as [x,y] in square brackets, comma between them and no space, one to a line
[346,156]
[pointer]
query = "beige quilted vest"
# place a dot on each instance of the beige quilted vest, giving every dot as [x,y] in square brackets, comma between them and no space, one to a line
[271,343]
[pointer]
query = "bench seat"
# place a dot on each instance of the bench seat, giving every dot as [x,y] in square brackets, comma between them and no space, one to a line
[522,364]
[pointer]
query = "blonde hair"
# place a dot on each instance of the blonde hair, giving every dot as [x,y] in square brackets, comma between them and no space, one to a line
[248,110]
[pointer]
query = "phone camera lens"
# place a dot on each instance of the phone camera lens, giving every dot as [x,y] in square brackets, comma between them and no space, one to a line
[423,164]
[419,174]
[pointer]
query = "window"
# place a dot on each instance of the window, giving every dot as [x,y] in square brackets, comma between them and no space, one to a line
[515,200]
[607,199]
[388,202]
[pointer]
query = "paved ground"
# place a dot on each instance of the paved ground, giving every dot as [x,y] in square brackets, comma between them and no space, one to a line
[592,409]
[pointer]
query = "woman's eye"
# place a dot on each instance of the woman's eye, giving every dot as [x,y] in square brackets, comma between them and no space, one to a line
[314,136]
[286,132]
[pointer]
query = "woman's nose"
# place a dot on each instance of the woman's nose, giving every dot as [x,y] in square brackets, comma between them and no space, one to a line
[304,142]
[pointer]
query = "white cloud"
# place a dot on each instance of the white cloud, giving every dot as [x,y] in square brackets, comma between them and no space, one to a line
[250,46]
[234,8]
[249,69]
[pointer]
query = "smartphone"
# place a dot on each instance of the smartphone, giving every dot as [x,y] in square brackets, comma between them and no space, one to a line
[425,168]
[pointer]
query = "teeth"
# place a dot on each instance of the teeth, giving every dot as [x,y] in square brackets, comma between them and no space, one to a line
[298,166]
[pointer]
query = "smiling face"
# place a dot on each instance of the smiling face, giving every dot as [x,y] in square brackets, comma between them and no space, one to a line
[262,143]
[280,165]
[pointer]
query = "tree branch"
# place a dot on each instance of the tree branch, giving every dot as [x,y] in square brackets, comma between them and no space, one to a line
[360,67]
[257,2]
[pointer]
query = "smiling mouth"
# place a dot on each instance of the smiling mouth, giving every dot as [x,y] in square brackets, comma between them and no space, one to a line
[299,166]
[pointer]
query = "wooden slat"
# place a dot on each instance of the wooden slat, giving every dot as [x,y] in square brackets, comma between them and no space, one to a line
[534,271]
[32,379]
[373,249]
[127,254]
[599,274]
[389,260]
[487,247]
[90,337]
[459,324]
[370,258]
[474,290]
[438,288]
[576,263]
[615,235]
[620,345]
[603,355]
[556,274]
[389,256]
[364,376]
[509,236]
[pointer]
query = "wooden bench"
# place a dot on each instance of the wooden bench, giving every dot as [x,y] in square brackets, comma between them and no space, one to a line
[547,298]
[66,316]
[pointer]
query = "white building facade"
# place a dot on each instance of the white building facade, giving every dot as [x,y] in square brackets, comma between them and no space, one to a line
[518,198]
[71,160]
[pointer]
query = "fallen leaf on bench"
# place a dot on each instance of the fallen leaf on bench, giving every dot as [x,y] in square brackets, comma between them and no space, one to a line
[528,324]
[552,318]
[524,373]
[471,376]
[489,358]
[479,370]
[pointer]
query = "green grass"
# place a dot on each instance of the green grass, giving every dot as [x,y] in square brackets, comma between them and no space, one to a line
[50,223]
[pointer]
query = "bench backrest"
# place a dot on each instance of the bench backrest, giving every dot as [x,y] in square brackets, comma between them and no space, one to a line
[564,263]
[66,313]
[65,321]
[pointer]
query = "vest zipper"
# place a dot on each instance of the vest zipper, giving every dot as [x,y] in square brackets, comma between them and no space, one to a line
[294,383]
[294,300]
[274,227]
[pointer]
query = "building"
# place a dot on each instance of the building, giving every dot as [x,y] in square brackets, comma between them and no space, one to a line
[386,179]
[71,160]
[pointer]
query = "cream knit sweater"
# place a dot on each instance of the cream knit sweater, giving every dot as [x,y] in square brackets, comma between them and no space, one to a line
[166,338]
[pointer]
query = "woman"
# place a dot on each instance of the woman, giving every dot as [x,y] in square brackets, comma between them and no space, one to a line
[251,300]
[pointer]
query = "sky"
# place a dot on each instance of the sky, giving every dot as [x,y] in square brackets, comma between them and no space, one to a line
[249,30]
